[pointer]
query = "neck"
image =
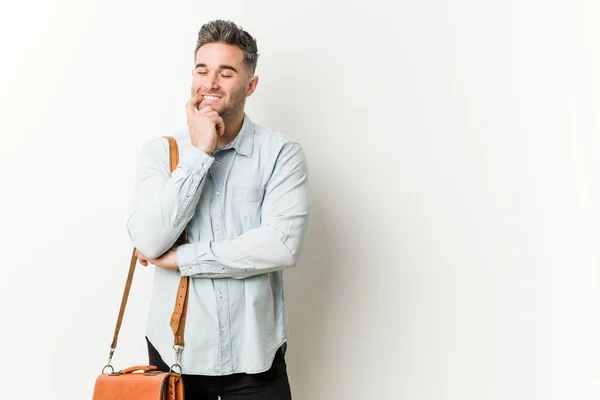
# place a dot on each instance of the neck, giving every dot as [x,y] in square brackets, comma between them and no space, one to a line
[233,125]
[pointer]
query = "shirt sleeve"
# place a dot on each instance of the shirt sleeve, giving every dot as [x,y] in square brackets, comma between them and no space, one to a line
[276,244]
[163,202]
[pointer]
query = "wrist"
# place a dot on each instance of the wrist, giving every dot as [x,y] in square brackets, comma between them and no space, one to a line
[207,149]
[195,158]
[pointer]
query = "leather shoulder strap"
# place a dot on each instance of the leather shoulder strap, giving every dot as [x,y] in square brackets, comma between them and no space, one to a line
[113,345]
[180,311]
[173,153]
[179,314]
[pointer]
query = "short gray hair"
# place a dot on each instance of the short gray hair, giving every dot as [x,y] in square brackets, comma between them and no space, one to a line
[220,31]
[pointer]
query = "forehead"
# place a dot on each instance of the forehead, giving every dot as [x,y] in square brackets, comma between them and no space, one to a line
[215,54]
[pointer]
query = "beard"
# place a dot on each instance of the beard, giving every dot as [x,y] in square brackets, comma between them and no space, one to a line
[234,105]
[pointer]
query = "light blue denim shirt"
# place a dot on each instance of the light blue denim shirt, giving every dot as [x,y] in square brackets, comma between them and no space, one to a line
[246,210]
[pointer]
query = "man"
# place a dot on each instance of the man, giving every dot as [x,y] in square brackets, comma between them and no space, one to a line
[241,194]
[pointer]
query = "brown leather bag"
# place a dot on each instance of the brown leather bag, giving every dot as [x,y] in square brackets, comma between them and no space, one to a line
[144,382]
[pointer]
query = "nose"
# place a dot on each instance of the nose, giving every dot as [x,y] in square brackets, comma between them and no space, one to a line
[210,83]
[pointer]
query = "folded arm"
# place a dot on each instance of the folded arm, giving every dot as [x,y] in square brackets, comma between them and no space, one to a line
[164,202]
[276,244]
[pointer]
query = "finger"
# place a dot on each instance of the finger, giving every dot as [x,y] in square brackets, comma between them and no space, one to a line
[206,110]
[212,116]
[142,258]
[209,113]
[190,106]
[220,126]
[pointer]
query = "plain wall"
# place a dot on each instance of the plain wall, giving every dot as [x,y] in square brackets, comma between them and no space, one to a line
[453,152]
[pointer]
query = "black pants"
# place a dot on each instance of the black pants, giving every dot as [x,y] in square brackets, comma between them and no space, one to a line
[269,385]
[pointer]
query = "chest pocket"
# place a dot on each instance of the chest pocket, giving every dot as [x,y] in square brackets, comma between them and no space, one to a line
[246,207]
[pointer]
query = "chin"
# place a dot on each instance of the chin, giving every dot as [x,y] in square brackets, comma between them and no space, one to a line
[224,112]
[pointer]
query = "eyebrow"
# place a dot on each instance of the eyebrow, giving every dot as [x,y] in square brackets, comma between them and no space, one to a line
[222,66]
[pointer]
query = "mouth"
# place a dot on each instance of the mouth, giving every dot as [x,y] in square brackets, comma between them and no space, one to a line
[210,98]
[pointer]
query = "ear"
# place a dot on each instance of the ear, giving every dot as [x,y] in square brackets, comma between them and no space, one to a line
[252,85]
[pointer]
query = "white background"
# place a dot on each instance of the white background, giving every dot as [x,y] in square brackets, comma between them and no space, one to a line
[453,151]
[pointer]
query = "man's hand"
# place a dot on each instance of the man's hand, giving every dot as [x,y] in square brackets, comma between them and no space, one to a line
[204,125]
[166,261]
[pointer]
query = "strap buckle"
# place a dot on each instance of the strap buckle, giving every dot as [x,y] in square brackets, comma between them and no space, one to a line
[110,356]
[178,349]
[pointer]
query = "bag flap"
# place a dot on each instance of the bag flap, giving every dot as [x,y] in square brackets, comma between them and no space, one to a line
[146,386]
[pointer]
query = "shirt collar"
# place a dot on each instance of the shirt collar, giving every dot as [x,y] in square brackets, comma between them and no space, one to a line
[244,141]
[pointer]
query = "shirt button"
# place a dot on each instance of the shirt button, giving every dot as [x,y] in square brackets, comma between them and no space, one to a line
[218,193]
[217,227]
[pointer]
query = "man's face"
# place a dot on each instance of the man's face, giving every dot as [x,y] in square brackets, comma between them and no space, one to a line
[221,79]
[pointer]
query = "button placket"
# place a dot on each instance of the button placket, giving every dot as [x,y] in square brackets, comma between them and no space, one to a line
[217,217]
